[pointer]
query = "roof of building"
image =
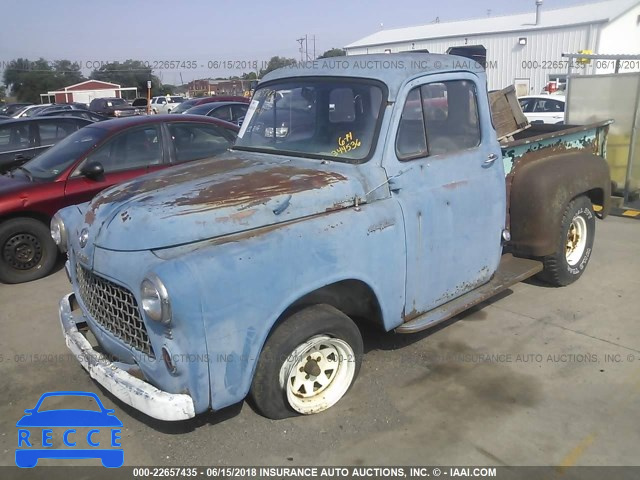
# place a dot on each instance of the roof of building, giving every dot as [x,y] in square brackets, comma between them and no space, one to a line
[549,18]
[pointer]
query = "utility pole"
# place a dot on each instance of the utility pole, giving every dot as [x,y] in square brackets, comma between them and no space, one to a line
[300,40]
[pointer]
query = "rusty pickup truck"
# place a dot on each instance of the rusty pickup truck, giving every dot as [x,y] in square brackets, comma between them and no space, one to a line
[364,189]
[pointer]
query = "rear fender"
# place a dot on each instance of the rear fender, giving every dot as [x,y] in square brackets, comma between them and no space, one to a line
[541,191]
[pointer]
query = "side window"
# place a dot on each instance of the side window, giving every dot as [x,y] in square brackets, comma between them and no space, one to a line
[133,149]
[547,105]
[14,137]
[53,132]
[194,141]
[451,116]
[239,111]
[223,113]
[411,141]
[447,112]
[527,104]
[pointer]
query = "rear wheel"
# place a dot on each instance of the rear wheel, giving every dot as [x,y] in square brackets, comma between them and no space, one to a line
[574,244]
[307,364]
[27,251]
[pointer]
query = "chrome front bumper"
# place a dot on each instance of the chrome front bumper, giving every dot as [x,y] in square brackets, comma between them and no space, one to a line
[131,390]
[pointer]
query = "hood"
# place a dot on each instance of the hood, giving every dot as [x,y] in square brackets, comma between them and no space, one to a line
[219,196]
[10,184]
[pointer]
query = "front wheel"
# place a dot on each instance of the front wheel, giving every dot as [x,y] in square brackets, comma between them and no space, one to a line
[307,364]
[27,251]
[575,243]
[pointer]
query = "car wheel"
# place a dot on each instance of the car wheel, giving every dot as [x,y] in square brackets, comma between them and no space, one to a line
[27,251]
[308,363]
[574,245]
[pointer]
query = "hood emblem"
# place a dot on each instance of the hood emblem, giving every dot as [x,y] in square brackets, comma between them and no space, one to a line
[83,238]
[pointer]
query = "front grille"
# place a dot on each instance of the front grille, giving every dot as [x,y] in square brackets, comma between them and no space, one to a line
[114,308]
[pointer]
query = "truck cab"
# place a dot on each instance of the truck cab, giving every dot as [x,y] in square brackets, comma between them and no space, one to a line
[365,189]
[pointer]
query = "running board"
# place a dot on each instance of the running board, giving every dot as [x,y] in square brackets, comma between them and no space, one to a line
[510,271]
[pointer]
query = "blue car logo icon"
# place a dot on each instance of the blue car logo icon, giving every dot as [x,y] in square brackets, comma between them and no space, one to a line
[36,430]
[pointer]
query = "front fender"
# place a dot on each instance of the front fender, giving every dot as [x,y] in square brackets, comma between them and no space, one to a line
[540,193]
[249,279]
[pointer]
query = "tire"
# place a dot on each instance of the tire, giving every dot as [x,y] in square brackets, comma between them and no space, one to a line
[285,370]
[575,244]
[27,251]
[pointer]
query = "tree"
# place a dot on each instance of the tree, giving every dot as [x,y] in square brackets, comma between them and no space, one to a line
[334,52]
[28,79]
[68,73]
[130,73]
[168,89]
[275,63]
[250,76]
[3,93]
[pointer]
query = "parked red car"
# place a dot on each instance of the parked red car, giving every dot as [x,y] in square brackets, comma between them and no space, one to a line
[86,162]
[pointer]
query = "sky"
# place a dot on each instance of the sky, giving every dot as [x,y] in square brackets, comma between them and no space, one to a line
[205,33]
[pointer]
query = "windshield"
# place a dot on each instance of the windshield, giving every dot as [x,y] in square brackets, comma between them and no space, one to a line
[116,101]
[177,99]
[335,119]
[51,163]
[184,106]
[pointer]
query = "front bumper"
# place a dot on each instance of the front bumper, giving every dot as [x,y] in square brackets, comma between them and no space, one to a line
[131,390]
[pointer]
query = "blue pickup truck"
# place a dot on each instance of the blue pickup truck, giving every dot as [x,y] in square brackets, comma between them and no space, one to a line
[365,189]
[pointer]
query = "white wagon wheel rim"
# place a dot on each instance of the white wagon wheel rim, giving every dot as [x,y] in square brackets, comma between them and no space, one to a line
[576,240]
[317,374]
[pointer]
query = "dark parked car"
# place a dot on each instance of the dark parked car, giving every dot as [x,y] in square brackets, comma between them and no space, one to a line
[23,138]
[192,102]
[233,112]
[61,107]
[11,108]
[90,160]
[94,117]
[114,107]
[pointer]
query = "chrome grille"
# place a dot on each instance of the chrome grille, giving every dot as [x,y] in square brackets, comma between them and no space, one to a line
[114,308]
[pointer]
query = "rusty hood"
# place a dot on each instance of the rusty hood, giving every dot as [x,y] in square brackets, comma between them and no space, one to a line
[214,197]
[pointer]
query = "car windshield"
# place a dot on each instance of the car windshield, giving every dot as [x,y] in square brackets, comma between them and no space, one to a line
[335,119]
[116,101]
[51,163]
[32,112]
[177,99]
[184,106]
[202,109]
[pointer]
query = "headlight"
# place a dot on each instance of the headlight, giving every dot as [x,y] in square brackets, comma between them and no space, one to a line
[59,233]
[155,299]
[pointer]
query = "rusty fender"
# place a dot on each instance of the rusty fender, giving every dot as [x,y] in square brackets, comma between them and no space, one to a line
[540,192]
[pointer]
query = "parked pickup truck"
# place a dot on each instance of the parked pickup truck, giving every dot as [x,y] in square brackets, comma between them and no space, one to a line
[371,202]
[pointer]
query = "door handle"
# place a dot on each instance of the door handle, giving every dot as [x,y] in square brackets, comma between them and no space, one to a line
[393,185]
[490,159]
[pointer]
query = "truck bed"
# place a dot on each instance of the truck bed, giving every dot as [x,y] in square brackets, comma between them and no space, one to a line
[542,140]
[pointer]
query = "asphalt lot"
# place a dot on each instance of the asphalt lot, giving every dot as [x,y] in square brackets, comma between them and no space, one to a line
[538,376]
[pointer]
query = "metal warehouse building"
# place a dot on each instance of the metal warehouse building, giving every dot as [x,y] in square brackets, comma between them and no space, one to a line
[526,49]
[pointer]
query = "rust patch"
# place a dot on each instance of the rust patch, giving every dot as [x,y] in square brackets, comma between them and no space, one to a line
[378,227]
[175,176]
[238,216]
[256,187]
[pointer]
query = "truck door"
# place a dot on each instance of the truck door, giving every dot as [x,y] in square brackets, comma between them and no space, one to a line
[446,172]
